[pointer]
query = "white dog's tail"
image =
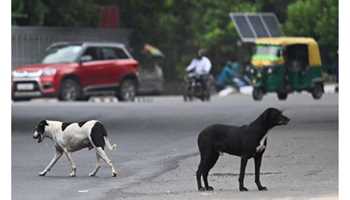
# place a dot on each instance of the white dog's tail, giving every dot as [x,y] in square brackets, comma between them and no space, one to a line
[109,145]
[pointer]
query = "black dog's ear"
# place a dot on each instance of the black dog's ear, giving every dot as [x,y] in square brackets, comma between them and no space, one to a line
[272,109]
[270,112]
[270,116]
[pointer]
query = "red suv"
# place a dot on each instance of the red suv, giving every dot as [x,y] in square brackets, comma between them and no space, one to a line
[76,71]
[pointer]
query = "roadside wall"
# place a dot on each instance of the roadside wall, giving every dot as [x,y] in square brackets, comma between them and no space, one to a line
[29,43]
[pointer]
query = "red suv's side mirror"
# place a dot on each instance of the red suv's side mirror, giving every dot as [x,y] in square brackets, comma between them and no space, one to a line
[85,58]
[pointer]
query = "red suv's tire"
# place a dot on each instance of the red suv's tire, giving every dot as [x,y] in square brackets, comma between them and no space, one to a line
[127,90]
[70,90]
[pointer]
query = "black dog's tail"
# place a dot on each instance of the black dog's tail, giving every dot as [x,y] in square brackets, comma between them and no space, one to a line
[99,137]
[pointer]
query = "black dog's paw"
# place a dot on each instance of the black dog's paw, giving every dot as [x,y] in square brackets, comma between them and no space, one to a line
[210,188]
[201,189]
[262,188]
[243,189]
[42,174]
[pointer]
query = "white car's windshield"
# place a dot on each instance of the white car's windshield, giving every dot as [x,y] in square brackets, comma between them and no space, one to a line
[62,55]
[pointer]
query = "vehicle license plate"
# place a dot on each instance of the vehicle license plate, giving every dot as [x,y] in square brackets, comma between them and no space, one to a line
[25,86]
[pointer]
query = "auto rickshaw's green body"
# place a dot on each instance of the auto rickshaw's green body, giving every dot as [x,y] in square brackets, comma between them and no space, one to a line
[285,65]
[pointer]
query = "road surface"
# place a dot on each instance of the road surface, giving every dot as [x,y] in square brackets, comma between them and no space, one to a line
[157,153]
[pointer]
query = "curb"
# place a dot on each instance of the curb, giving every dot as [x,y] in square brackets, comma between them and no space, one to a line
[248,90]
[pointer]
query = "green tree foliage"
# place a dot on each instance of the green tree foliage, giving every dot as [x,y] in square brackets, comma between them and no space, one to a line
[179,28]
[279,7]
[317,19]
[214,30]
[55,13]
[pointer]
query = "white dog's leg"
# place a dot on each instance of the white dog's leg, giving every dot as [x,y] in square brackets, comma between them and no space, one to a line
[98,165]
[55,158]
[70,159]
[104,156]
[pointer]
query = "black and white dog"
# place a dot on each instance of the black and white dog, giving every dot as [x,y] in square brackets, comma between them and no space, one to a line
[71,137]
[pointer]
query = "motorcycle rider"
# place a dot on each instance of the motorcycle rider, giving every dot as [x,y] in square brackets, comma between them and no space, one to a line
[200,68]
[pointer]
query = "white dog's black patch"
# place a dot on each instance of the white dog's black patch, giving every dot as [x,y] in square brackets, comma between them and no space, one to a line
[39,130]
[98,132]
[82,123]
[41,126]
[65,125]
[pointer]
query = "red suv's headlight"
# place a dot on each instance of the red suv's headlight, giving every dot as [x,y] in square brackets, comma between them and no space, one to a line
[49,72]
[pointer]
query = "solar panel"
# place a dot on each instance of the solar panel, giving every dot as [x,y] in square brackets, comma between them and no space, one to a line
[254,25]
[272,23]
[244,27]
[258,25]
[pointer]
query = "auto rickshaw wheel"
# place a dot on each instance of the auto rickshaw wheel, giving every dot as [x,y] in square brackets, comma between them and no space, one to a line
[258,94]
[317,91]
[282,95]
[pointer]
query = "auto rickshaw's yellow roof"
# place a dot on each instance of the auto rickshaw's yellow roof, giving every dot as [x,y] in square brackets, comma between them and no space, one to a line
[285,40]
[314,52]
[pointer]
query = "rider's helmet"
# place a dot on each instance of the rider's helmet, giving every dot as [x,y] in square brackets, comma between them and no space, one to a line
[201,53]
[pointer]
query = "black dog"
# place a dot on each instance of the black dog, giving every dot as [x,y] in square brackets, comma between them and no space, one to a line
[245,141]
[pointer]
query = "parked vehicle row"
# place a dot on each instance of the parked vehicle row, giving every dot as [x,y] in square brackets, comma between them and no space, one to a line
[77,71]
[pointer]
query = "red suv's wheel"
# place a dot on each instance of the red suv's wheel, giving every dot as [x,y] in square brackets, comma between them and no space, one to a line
[127,90]
[70,90]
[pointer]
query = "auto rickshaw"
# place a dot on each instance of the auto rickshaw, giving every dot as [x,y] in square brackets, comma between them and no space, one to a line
[285,65]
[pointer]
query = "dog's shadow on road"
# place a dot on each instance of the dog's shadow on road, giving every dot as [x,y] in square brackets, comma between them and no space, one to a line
[247,174]
[77,178]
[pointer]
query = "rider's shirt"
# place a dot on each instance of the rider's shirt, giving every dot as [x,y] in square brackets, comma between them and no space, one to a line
[199,66]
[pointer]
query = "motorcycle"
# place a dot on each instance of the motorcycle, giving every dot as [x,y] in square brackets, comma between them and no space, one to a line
[195,88]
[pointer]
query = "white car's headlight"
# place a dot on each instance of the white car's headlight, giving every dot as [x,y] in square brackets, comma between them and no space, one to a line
[48,72]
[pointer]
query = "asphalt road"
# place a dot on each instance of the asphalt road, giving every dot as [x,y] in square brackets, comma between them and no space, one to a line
[157,152]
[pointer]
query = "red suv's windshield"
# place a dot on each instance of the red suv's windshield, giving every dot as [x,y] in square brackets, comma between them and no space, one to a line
[62,55]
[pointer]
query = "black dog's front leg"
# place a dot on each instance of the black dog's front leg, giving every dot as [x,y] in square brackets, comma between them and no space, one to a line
[244,161]
[257,163]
